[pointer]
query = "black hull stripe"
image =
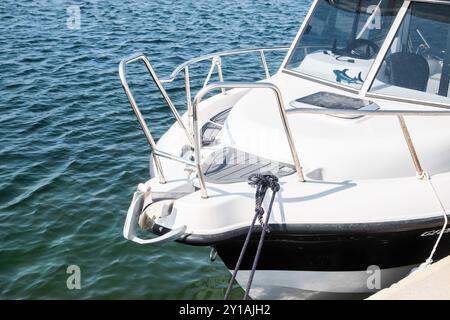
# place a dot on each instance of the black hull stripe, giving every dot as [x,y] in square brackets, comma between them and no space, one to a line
[313,229]
[350,252]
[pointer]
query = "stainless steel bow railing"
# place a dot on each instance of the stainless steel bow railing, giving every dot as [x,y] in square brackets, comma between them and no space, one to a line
[155,152]
[192,131]
[211,56]
[242,85]
[190,134]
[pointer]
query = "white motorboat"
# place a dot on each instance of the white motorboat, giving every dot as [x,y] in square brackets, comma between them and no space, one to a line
[349,142]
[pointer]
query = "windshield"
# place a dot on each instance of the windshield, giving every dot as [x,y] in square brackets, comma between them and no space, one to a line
[417,65]
[342,39]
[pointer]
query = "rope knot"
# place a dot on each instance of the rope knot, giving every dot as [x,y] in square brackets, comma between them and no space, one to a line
[262,182]
[259,211]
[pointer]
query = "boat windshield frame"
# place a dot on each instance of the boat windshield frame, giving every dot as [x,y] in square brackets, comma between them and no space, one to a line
[364,90]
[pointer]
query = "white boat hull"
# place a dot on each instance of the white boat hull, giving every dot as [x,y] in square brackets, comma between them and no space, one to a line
[283,284]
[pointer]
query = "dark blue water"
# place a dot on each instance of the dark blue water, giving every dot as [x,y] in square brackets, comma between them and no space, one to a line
[72,153]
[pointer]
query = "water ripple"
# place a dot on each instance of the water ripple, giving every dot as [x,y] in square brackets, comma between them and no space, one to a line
[71,151]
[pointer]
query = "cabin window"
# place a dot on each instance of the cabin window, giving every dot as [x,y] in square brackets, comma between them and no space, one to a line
[417,66]
[342,39]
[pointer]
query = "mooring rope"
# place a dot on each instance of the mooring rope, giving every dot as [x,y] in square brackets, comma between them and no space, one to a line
[429,260]
[444,227]
[262,182]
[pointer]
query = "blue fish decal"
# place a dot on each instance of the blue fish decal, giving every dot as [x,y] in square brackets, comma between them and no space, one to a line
[342,76]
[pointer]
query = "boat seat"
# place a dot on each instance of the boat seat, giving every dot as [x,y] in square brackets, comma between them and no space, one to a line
[230,165]
[408,70]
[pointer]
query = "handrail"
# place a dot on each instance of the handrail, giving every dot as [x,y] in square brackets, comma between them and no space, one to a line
[192,61]
[351,112]
[400,114]
[160,84]
[244,85]
[141,56]
[138,113]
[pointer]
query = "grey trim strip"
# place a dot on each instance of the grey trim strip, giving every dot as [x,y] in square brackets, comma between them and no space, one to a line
[327,83]
[445,2]
[406,100]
